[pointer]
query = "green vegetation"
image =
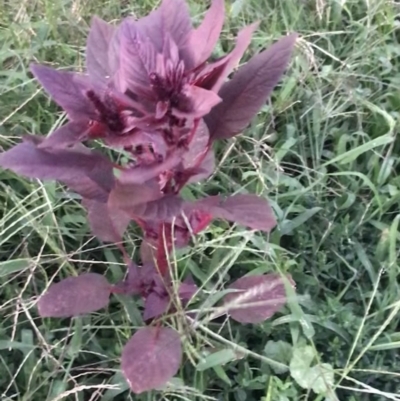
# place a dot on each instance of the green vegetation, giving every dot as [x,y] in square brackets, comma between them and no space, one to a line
[326,155]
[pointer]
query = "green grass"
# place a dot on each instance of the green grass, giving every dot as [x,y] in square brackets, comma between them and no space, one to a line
[326,154]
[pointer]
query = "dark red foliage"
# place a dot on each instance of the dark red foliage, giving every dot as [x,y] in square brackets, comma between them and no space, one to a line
[151,358]
[86,172]
[106,224]
[75,296]
[248,210]
[257,297]
[248,90]
[154,288]
[150,91]
[98,63]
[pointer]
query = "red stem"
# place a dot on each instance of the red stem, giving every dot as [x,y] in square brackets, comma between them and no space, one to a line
[116,290]
[163,248]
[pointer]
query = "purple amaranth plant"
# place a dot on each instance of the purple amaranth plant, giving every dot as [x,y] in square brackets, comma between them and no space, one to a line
[150,90]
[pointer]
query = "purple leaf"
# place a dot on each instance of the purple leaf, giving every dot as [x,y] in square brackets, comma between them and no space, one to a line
[197,146]
[249,89]
[113,55]
[151,358]
[176,21]
[107,224]
[247,210]
[155,306]
[203,39]
[147,252]
[75,296]
[132,283]
[242,43]
[145,281]
[138,57]
[67,135]
[127,196]
[211,73]
[86,172]
[97,46]
[87,188]
[170,19]
[187,289]
[257,299]
[133,277]
[170,52]
[67,89]
[148,147]
[142,44]
[201,101]
[161,210]
[141,174]
[196,220]
[205,169]
[150,280]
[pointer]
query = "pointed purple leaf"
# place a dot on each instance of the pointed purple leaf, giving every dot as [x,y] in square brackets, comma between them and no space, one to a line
[67,89]
[176,21]
[148,252]
[170,51]
[258,297]
[131,285]
[75,296]
[113,56]
[205,169]
[87,188]
[247,210]
[203,39]
[197,146]
[97,47]
[145,281]
[155,306]
[145,141]
[86,172]
[201,101]
[127,196]
[67,135]
[161,210]
[107,224]
[141,174]
[133,278]
[211,73]
[141,45]
[150,277]
[242,43]
[248,90]
[138,58]
[187,289]
[195,221]
[171,19]
[151,358]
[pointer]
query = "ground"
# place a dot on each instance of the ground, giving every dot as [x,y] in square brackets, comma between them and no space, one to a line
[324,151]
